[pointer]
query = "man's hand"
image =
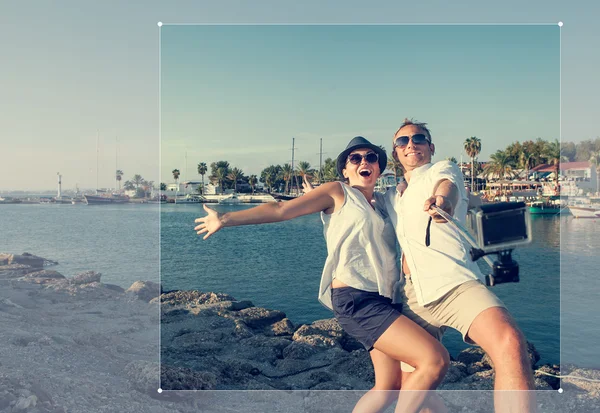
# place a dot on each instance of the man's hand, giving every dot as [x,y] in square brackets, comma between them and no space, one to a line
[441,202]
[209,224]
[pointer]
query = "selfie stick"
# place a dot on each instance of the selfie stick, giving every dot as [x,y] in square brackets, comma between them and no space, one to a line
[462,230]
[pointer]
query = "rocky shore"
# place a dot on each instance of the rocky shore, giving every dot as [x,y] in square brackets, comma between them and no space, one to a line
[79,345]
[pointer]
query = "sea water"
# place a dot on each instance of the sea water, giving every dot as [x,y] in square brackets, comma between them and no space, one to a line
[278,266]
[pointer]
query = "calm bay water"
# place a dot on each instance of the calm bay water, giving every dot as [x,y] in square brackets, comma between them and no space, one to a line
[279,265]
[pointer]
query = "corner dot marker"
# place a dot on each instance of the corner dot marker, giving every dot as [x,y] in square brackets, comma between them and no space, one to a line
[160,390]
[160,24]
[560,24]
[560,390]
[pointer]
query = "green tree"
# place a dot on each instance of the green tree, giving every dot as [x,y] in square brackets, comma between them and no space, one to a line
[235,174]
[225,169]
[119,176]
[451,159]
[137,180]
[595,160]
[128,186]
[330,170]
[220,175]
[553,156]
[500,164]
[269,176]
[202,168]
[286,173]
[472,147]
[396,167]
[163,186]
[252,181]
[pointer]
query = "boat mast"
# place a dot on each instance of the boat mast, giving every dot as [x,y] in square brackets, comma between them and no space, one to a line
[116,161]
[292,177]
[321,161]
[97,138]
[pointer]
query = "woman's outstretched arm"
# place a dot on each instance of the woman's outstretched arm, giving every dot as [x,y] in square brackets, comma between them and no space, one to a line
[327,197]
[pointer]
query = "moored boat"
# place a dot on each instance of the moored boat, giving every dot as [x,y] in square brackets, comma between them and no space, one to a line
[105,200]
[230,200]
[589,211]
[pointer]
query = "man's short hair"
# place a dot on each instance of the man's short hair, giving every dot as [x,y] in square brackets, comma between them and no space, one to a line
[420,125]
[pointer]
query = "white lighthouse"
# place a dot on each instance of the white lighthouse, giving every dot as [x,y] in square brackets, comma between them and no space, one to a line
[59,192]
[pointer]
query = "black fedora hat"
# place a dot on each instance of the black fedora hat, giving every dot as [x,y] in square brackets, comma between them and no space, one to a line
[357,143]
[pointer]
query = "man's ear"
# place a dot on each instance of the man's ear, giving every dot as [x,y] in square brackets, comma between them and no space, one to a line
[432,148]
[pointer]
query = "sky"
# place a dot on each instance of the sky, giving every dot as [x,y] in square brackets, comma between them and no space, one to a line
[76,72]
[241,93]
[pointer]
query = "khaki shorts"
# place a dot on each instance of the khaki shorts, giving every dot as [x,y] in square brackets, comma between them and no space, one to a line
[457,309]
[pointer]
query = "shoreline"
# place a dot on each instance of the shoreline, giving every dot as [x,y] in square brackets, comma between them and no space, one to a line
[77,344]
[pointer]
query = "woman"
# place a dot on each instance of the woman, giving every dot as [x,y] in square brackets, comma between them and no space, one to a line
[359,275]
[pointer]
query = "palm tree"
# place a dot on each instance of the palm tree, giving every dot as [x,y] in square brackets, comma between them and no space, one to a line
[394,165]
[472,148]
[220,175]
[303,168]
[137,180]
[286,175]
[202,168]
[119,177]
[595,160]
[552,154]
[330,170]
[500,164]
[176,174]
[235,174]
[252,180]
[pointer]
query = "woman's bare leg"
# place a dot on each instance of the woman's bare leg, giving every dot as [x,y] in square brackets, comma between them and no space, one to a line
[387,384]
[404,340]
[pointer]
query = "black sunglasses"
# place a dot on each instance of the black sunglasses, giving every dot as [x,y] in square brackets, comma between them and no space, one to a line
[417,139]
[356,158]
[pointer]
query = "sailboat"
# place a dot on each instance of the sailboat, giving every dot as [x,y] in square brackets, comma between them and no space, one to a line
[103,197]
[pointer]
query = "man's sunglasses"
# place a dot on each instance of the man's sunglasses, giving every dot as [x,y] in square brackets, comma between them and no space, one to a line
[417,139]
[356,158]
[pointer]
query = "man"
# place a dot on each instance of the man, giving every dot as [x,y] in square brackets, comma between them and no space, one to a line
[443,287]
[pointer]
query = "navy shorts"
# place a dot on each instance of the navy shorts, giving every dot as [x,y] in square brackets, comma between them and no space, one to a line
[362,314]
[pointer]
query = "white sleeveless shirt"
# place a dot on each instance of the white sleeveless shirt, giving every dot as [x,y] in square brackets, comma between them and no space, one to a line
[361,247]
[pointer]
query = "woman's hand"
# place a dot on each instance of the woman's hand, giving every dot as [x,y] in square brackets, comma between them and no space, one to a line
[306,186]
[208,224]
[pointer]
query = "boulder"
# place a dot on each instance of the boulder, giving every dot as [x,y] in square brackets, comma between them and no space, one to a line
[470,355]
[322,333]
[195,297]
[86,277]
[144,290]
[299,351]
[11,271]
[280,328]
[456,372]
[43,276]
[257,318]
[547,373]
[26,259]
